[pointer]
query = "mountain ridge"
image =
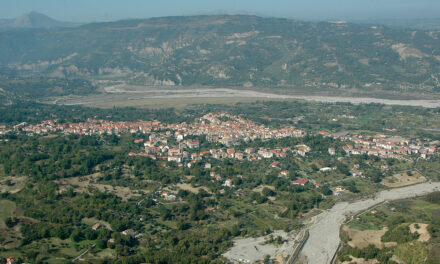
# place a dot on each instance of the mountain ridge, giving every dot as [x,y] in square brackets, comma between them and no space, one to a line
[233,51]
[33,20]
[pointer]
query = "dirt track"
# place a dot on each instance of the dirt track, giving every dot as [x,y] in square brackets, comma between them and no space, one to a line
[324,232]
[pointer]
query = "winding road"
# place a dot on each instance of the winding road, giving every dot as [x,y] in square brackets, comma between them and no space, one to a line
[324,232]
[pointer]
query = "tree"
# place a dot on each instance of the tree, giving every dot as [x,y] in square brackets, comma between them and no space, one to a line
[268,192]
[11,222]
[77,235]
[326,190]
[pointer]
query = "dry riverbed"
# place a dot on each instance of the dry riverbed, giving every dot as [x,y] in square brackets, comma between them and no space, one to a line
[131,95]
[323,229]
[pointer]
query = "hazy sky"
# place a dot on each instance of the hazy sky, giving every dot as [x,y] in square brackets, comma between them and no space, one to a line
[100,10]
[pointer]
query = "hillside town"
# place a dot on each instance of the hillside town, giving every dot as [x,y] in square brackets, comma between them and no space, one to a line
[384,146]
[229,131]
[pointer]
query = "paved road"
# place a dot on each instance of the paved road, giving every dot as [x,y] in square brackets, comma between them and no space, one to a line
[324,232]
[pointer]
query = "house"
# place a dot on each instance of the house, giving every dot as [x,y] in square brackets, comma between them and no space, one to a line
[129,232]
[228,183]
[317,185]
[325,169]
[179,137]
[323,133]
[168,196]
[384,167]
[265,153]
[332,151]
[284,173]
[207,165]
[249,150]
[339,188]
[96,226]
[300,181]
[302,152]
[11,260]
[192,144]
[356,173]
[175,158]
[239,155]
[275,164]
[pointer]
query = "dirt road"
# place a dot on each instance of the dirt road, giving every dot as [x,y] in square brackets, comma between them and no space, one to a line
[324,232]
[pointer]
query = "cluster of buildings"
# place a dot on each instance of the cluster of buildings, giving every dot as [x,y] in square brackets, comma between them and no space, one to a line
[186,151]
[229,130]
[90,127]
[384,146]
[223,128]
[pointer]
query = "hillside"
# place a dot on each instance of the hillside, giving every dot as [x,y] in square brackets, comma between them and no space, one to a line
[233,51]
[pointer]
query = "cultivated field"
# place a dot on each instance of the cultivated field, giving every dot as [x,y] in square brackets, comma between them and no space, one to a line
[362,239]
[403,179]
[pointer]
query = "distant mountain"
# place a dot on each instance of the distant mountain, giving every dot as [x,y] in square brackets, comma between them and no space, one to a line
[234,51]
[419,23]
[33,20]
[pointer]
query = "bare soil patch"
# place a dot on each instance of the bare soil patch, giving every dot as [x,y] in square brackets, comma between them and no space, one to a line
[188,187]
[12,184]
[403,179]
[422,230]
[362,239]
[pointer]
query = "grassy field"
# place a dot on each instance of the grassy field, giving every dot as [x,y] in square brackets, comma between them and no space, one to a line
[415,252]
[7,209]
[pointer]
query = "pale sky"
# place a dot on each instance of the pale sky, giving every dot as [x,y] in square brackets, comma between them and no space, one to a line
[105,10]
